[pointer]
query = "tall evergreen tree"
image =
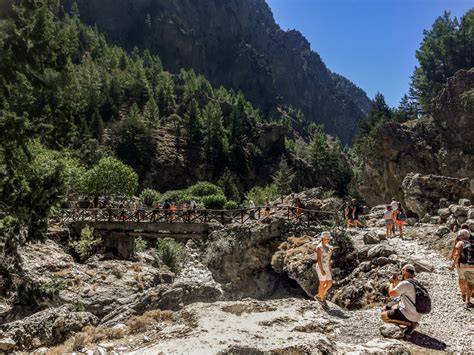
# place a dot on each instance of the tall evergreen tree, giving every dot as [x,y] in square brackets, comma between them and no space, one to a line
[446,48]
[193,122]
[283,177]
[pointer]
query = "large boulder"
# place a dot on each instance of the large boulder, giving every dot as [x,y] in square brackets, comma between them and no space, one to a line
[239,257]
[374,237]
[296,258]
[423,192]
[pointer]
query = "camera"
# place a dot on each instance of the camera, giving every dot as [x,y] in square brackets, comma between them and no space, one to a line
[394,277]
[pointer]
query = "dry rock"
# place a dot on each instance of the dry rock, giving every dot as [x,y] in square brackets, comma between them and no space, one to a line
[47,327]
[7,344]
[442,231]
[444,213]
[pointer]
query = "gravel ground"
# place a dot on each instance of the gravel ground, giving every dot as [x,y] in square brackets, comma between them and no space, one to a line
[270,325]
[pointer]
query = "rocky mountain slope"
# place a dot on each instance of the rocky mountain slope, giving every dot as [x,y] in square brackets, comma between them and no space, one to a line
[236,44]
[441,145]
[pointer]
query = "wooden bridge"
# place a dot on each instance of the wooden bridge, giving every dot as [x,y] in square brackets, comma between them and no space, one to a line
[139,218]
[119,227]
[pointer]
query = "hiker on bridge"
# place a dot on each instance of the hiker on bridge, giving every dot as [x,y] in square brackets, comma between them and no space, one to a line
[300,206]
[267,207]
[414,300]
[323,266]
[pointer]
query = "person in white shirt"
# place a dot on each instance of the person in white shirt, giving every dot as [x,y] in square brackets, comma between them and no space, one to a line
[402,312]
[323,265]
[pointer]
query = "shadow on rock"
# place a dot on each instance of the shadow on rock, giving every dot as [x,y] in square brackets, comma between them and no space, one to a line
[425,341]
[337,313]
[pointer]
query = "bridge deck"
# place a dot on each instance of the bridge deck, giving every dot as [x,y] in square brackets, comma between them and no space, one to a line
[153,219]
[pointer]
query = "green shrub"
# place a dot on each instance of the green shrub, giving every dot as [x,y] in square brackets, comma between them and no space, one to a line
[231,205]
[149,197]
[173,196]
[171,253]
[140,244]
[204,188]
[87,244]
[257,194]
[214,202]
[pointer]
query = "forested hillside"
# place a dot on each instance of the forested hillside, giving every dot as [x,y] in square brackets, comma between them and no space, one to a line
[68,98]
[237,44]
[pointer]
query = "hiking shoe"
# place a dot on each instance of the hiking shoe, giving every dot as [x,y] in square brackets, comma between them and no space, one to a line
[410,329]
[469,305]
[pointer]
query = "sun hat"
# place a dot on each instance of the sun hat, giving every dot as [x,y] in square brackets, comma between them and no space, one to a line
[326,235]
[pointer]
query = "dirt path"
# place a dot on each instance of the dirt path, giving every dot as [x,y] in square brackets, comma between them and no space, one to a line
[303,325]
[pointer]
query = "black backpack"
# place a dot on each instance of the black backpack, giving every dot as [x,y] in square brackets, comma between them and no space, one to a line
[467,255]
[422,300]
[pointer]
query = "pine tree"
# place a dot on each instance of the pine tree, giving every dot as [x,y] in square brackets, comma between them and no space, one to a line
[151,112]
[192,122]
[229,185]
[97,125]
[215,136]
[446,48]
[284,177]
[319,153]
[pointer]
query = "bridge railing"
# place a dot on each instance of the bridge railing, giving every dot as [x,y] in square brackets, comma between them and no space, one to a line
[295,214]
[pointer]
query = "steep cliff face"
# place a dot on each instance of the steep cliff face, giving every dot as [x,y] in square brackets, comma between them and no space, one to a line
[235,43]
[443,145]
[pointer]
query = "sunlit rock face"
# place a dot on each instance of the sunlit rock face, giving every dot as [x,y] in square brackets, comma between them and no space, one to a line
[441,145]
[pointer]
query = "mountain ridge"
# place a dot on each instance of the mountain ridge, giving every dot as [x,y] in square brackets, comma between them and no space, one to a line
[239,45]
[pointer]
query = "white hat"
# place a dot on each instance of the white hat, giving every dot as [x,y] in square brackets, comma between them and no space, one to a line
[326,235]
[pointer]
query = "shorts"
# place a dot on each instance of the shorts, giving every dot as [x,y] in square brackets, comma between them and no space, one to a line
[388,222]
[466,273]
[321,277]
[396,314]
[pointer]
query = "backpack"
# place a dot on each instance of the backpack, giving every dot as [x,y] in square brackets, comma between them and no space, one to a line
[422,300]
[467,255]
[401,216]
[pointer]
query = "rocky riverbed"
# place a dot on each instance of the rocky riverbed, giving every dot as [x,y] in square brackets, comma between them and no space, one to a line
[140,306]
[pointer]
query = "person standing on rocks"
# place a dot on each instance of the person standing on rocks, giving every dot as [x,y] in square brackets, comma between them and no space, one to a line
[402,312]
[388,217]
[464,262]
[399,219]
[394,205]
[323,265]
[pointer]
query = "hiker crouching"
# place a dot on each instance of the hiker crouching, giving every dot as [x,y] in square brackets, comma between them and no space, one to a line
[414,300]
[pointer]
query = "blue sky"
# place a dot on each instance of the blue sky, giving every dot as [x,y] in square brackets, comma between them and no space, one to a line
[371,42]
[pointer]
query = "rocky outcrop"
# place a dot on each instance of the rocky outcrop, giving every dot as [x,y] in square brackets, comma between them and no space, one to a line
[296,258]
[441,145]
[165,297]
[422,194]
[236,44]
[47,327]
[239,257]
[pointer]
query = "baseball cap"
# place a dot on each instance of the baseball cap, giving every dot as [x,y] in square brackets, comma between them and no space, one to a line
[409,267]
